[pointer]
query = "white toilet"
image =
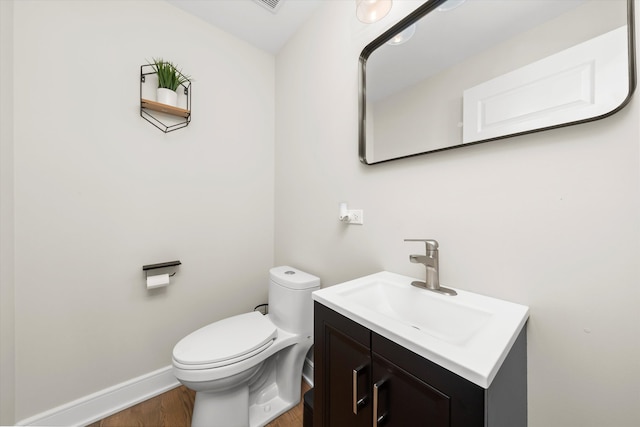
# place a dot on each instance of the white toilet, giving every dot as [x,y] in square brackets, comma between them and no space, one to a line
[246,369]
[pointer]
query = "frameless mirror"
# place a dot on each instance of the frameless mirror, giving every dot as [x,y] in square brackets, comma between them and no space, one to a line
[479,70]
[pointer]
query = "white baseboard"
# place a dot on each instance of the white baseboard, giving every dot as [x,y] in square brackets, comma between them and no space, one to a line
[307,371]
[101,404]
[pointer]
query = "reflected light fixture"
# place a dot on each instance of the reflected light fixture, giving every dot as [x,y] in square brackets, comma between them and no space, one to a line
[403,36]
[370,11]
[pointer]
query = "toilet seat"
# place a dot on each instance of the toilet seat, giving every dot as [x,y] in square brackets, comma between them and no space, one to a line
[225,342]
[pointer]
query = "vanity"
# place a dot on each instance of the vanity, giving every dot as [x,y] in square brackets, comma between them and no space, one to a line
[390,354]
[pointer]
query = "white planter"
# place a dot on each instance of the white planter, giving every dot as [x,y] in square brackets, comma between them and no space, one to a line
[167,96]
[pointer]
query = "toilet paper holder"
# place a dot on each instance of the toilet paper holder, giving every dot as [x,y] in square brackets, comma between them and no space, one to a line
[148,267]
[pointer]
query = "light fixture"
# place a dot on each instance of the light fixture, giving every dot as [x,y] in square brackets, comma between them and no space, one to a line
[403,36]
[370,11]
[450,5]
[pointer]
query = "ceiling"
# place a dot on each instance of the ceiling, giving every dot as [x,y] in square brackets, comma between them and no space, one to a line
[253,22]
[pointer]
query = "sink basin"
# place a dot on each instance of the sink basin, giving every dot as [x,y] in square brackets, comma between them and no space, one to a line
[469,334]
[444,318]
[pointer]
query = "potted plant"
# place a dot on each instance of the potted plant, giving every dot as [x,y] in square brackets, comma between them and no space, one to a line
[169,79]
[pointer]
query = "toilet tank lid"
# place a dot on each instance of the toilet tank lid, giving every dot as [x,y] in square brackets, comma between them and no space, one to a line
[293,278]
[225,339]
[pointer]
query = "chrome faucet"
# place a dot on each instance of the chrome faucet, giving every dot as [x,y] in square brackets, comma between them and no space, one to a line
[430,261]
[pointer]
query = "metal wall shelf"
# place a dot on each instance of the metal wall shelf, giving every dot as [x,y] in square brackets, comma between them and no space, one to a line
[165,117]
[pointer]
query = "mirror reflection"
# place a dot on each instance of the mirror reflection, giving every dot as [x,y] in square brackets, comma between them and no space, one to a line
[457,72]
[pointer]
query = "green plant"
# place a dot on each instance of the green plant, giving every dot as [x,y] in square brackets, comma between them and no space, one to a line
[169,76]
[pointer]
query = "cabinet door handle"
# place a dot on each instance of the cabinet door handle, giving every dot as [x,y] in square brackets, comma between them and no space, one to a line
[377,420]
[357,402]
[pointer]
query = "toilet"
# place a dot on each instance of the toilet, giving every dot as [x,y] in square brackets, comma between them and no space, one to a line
[246,369]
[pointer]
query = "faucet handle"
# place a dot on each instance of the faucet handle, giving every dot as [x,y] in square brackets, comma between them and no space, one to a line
[431,244]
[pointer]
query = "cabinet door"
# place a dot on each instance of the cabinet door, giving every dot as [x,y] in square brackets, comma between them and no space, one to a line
[401,399]
[465,399]
[343,371]
[349,372]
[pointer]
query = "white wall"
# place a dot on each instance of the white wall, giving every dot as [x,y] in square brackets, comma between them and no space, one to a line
[7,363]
[99,192]
[550,220]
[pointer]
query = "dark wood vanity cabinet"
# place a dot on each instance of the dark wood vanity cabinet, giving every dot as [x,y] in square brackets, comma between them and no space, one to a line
[346,358]
[361,376]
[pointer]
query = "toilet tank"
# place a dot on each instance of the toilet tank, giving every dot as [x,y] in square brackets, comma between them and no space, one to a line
[290,302]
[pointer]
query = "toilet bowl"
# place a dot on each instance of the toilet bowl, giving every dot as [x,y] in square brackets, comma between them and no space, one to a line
[246,369]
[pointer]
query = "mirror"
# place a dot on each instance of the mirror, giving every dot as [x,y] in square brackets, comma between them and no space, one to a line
[480,70]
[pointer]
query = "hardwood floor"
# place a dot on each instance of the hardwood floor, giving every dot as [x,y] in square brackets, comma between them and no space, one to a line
[174,409]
